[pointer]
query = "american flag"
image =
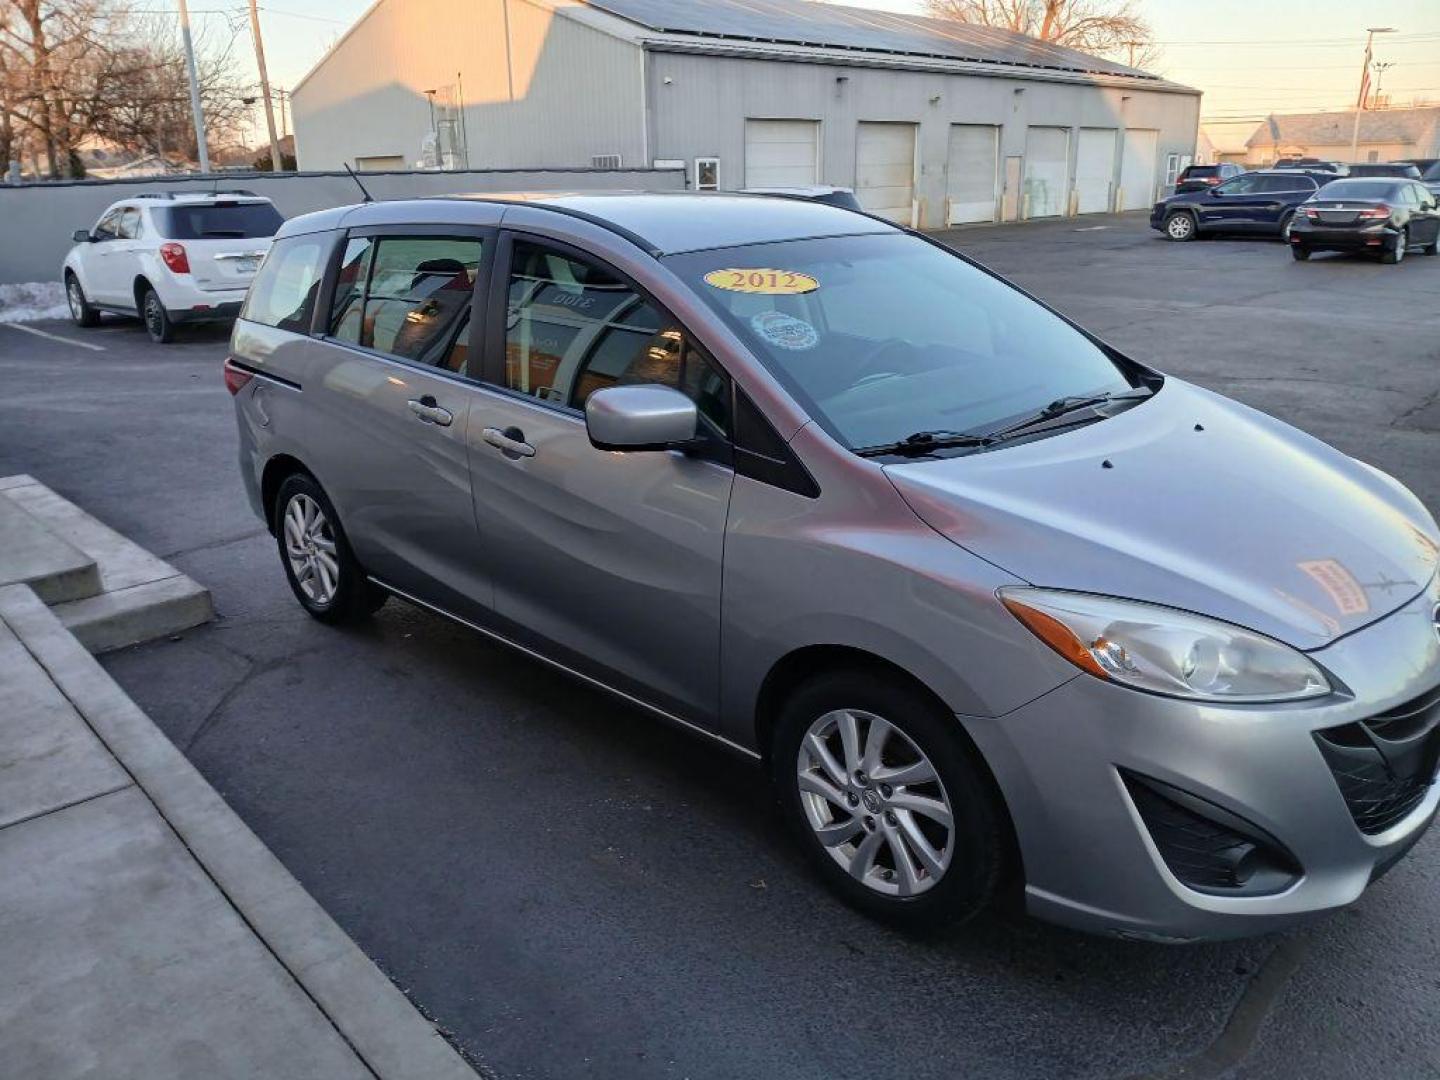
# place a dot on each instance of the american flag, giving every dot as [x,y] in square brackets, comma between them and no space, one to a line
[1364,80]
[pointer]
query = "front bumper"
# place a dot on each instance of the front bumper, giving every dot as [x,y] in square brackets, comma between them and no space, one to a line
[1379,237]
[1092,862]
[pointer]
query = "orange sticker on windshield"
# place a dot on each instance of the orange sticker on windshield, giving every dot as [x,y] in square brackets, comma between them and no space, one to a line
[767,282]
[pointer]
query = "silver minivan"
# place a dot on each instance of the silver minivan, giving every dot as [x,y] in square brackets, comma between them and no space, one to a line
[992,602]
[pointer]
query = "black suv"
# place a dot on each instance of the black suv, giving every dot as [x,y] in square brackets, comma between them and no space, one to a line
[1255,203]
[1200,177]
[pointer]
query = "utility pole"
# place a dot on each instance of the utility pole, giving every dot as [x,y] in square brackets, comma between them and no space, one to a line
[276,164]
[1132,44]
[1364,87]
[195,107]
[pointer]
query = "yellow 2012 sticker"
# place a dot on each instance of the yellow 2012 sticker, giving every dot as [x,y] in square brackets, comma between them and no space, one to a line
[764,281]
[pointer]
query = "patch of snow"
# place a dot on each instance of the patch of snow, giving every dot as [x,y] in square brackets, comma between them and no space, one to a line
[33,300]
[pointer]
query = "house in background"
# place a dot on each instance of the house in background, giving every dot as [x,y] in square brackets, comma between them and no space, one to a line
[930,121]
[1227,140]
[1384,135]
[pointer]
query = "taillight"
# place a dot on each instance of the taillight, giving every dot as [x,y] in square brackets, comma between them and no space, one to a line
[235,377]
[1375,213]
[1312,213]
[173,255]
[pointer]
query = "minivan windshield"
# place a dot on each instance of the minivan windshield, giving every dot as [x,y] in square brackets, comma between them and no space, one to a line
[881,337]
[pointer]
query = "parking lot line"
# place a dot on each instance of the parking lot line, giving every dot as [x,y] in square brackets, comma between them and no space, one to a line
[54,337]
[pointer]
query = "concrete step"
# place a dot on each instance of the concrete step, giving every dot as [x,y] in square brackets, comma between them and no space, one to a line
[31,554]
[134,596]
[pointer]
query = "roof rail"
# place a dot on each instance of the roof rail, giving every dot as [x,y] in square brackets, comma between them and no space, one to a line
[196,194]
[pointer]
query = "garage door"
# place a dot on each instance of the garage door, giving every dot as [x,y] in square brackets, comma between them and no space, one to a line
[1047,153]
[1137,172]
[970,173]
[781,153]
[1094,170]
[885,170]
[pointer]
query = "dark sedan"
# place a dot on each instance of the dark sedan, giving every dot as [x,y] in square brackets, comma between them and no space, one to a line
[1257,203]
[1386,217]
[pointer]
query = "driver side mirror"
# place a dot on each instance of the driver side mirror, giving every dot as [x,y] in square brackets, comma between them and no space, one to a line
[643,417]
[81,236]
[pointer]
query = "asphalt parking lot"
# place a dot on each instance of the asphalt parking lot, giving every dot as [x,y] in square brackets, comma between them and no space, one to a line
[570,889]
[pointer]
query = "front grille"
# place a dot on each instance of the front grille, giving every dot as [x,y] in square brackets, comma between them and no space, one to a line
[1385,765]
[1204,852]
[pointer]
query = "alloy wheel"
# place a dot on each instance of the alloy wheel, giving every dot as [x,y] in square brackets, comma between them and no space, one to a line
[875,802]
[310,547]
[1286,226]
[76,299]
[1180,227]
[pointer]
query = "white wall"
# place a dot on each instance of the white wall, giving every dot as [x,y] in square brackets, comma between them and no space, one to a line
[701,112]
[550,92]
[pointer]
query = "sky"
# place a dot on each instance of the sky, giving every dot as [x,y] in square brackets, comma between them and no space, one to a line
[1251,57]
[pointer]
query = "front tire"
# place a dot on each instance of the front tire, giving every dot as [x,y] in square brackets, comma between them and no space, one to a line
[889,801]
[1180,227]
[80,310]
[157,320]
[322,570]
[1396,254]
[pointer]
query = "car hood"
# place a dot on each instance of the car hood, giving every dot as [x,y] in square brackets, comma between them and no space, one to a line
[1193,501]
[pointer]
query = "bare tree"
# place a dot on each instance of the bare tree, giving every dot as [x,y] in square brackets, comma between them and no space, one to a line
[73,69]
[1108,28]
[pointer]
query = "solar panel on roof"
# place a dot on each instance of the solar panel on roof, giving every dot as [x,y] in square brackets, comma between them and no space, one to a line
[799,22]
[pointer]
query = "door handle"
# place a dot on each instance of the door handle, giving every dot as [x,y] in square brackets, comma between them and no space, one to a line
[511,442]
[426,410]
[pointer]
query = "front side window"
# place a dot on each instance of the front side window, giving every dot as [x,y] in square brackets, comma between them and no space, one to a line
[884,336]
[572,328]
[407,296]
[1241,185]
[283,292]
[129,224]
[108,227]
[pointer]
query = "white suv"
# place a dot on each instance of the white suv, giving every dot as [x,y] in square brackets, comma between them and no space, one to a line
[170,257]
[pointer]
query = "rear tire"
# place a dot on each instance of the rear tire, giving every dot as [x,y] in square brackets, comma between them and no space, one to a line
[1299,252]
[1432,248]
[80,310]
[322,570]
[1396,254]
[1285,223]
[157,320]
[1180,227]
[950,873]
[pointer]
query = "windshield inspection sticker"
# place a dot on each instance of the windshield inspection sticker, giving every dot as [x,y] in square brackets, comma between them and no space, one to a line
[785,331]
[768,282]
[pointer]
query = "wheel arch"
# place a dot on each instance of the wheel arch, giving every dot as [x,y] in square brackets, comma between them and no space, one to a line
[277,470]
[137,290]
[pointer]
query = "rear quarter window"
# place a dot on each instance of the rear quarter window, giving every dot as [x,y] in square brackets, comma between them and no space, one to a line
[283,292]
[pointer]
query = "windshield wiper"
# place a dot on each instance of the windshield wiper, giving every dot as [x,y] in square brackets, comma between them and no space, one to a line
[925,442]
[1065,406]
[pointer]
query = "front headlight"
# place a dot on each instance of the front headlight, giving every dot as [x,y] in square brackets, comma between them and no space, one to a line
[1165,651]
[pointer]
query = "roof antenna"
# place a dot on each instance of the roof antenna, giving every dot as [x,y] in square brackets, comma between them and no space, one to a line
[357,182]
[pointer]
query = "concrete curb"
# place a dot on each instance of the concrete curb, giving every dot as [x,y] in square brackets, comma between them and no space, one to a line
[370,1013]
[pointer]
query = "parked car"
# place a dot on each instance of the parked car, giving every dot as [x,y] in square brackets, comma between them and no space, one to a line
[1310,164]
[822,193]
[1429,173]
[1404,170]
[1386,217]
[1255,203]
[169,257]
[1199,177]
[964,578]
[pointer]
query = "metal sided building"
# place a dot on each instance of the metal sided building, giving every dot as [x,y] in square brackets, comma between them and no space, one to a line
[932,122]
